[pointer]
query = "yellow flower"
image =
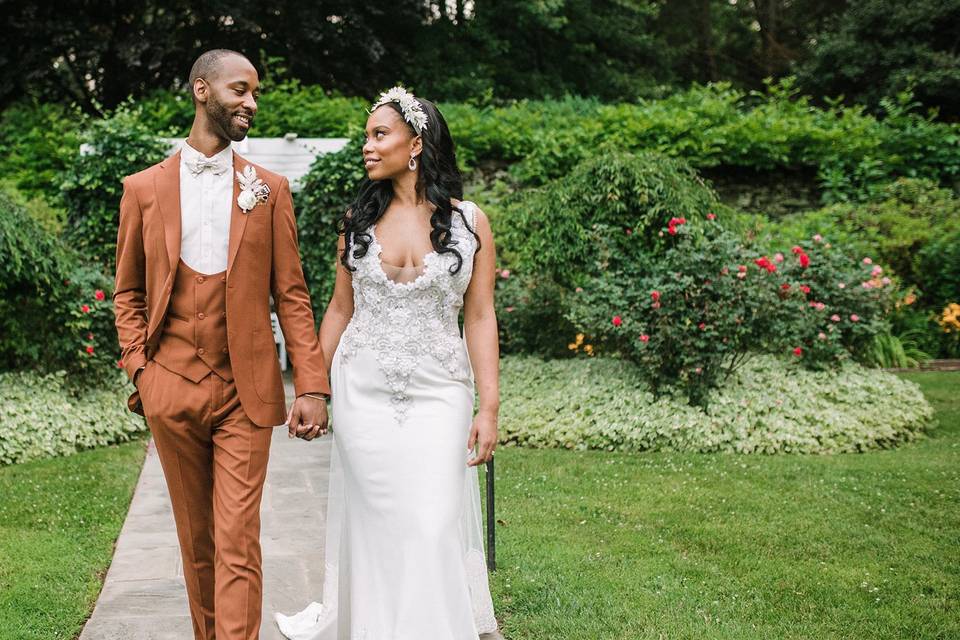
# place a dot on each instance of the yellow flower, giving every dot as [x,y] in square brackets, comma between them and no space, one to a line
[950,318]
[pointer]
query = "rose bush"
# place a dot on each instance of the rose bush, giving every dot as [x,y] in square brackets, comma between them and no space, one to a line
[696,312]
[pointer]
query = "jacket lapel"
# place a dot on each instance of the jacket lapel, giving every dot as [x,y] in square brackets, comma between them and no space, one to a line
[238,219]
[167,184]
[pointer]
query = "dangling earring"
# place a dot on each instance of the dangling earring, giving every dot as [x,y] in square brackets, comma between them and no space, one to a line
[412,165]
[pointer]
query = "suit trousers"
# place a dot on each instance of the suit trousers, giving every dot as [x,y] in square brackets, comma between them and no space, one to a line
[215,462]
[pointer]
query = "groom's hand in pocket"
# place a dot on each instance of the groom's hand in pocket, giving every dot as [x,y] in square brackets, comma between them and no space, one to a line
[308,417]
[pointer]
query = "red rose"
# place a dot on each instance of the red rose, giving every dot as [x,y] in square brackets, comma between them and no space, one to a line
[804,288]
[804,260]
[785,286]
[798,352]
[119,364]
[655,295]
[644,338]
[797,249]
[702,326]
[617,321]
[90,336]
[85,308]
[99,295]
[90,350]
[711,216]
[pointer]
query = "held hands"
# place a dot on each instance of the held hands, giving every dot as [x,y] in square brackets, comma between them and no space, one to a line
[307,418]
[483,435]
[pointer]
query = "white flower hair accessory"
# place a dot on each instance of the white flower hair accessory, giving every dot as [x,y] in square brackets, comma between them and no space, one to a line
[412,109]
[253,190]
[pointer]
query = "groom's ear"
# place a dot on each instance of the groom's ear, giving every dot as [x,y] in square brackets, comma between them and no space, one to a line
[201,90]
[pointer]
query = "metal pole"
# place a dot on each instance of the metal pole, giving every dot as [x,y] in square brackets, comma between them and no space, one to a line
[491,521]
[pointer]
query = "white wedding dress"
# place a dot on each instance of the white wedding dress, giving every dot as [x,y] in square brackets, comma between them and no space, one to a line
[404,550]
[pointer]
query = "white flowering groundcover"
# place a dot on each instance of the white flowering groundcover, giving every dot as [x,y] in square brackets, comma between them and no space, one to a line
[768,406]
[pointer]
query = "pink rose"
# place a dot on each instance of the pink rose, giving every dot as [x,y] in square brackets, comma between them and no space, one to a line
[867,261]
[778,257]
[817,237]
[854,317]
[644,338]
[835,317]
[505,273]
[841,285]
[822,336]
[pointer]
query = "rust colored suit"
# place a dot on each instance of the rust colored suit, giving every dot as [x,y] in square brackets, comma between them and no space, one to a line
[210,386]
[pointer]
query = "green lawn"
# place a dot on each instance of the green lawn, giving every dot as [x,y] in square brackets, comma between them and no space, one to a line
[596,545]
[599,545]
[58,522]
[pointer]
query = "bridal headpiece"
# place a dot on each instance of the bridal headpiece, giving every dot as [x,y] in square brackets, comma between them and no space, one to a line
[412,109]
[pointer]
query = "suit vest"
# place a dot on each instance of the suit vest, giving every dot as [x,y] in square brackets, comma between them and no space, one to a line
[194,338]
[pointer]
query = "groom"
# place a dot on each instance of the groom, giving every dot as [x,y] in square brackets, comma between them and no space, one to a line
[205,239]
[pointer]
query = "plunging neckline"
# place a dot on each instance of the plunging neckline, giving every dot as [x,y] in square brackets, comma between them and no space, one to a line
[425,260]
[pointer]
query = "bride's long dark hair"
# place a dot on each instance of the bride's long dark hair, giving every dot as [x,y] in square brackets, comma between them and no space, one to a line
[439,181]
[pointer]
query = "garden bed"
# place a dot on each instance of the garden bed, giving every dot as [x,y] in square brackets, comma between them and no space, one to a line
[770,405]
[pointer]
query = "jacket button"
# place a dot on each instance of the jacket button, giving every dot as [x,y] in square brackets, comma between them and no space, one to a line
[225,350]
[223,279]
[200,351]
[201,316]
[224,314]
[200,279]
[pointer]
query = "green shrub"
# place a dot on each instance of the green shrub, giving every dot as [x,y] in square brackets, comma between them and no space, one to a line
[118,146]
[42,416]
[39,141]
[894,229]
[328,189]
[938,264]
[607,212]
[530,315]
[32,272]
[767,406]
[852,152]
[693,313]
[55,312]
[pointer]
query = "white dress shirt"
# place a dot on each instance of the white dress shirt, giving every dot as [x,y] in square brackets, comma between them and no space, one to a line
[206,202]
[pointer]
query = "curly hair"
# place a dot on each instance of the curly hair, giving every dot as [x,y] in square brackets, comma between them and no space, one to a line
[439,181]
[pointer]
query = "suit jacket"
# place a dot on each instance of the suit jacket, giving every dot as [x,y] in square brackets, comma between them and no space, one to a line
[263,258]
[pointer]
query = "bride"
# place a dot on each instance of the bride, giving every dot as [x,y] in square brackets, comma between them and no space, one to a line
[404,555]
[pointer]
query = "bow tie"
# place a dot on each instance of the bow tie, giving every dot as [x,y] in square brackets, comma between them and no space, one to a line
[197,166]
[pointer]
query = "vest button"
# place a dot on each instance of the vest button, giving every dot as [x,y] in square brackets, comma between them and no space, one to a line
[223,279]
[200,351]
[224,314]
[200,279]
[201,316]
[225,350]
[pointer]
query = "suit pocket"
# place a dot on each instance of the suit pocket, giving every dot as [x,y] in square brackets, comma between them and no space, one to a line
[266,368]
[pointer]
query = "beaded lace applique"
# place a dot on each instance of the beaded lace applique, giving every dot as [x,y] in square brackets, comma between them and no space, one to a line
[403,322]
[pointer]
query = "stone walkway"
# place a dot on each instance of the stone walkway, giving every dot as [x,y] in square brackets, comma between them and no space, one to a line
[144,597]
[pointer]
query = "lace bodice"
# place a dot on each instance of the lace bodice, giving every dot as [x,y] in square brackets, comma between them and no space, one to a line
[404,322]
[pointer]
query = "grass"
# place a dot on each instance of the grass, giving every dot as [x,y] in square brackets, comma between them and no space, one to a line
[599,545]
[59,519]
[596,545]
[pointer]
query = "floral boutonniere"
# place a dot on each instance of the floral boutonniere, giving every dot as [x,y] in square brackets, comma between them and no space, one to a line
[253,191]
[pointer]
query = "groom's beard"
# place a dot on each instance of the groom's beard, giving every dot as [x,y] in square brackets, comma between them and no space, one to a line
[224,121]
